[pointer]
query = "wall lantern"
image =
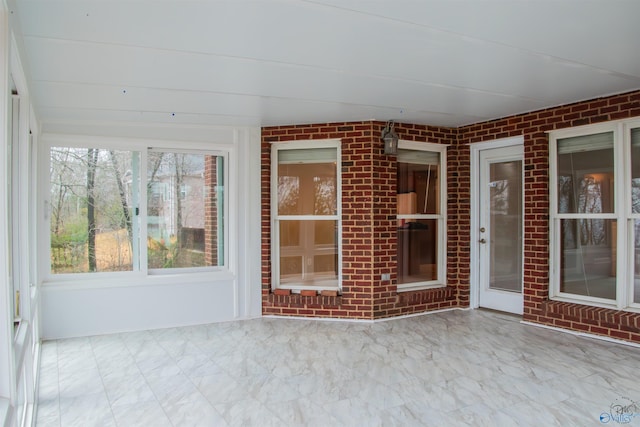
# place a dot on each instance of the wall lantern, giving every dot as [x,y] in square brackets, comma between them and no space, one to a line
[390,138]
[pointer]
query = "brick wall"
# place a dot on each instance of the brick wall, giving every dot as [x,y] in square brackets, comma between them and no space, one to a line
[211,211]
[369,237]
[368,226]
[357,223]
[387,301]
[537,307]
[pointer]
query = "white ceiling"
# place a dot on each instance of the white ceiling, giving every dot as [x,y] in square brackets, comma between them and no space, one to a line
[269,62]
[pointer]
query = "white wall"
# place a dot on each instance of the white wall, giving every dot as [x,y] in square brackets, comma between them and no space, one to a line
[126,303]
[74,310]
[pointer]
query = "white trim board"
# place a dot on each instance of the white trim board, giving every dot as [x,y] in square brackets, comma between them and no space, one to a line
[582,334]
[370,321]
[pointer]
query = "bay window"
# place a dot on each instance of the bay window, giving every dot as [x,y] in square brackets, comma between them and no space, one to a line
[595,214]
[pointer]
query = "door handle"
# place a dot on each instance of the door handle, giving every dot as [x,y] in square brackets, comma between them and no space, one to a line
[482,241]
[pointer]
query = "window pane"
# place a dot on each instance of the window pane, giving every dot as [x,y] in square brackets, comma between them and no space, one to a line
[185,210]
[636,261]
[309,252]
[418,188]
[585,174]
[91,210]
[635,170]
[588,257]
[307,185]
[505,213]
[13,213]
[417,250]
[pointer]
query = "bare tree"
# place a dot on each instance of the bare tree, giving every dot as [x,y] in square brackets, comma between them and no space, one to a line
[57,172]
[157,162]
[92,161]
[123,196]
[178,160]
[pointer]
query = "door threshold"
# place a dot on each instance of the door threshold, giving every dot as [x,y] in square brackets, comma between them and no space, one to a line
[510,316]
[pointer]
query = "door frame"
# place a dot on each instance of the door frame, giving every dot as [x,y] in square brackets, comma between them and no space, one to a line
[475,149]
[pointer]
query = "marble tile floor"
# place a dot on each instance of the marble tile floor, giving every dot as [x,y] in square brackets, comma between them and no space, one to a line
[455,368]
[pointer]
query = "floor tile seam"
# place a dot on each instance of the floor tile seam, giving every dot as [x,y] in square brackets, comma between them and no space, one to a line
[525,397]
[68,400]
[58,410]
[182,399]
[148,373]
[216,403]
[593,418]
[507,394]
[217,407]
[185,400]
[608,385]
[57,382]
[160,403]
[104,388]
[102,347]
[326,413]
[115,404]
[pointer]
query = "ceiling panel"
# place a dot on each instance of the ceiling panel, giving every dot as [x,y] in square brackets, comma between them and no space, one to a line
[456,64]
[599,33]
[271,62]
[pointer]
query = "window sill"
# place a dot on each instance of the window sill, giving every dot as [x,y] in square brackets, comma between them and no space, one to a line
[305,290]
[600,303]
[594,304]
[420,286]
[120,280]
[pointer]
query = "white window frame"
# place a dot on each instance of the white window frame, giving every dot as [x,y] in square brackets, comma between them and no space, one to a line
[20,337]
[275,218]
[441,217]
[628,125]
[141,271]
[621,214]
[225,206]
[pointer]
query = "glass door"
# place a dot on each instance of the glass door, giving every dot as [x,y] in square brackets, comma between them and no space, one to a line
[501,229]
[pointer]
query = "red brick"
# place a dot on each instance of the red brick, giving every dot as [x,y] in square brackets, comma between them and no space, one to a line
[327,293]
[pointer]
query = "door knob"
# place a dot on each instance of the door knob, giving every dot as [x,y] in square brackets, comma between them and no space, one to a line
[482,241]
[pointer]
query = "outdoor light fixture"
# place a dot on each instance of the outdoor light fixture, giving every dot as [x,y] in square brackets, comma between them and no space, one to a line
[390,138]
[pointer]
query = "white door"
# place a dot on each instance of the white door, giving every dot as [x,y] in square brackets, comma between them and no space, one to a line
[500,244]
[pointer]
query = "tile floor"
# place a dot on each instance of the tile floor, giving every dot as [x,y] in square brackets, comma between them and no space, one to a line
[476,368]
